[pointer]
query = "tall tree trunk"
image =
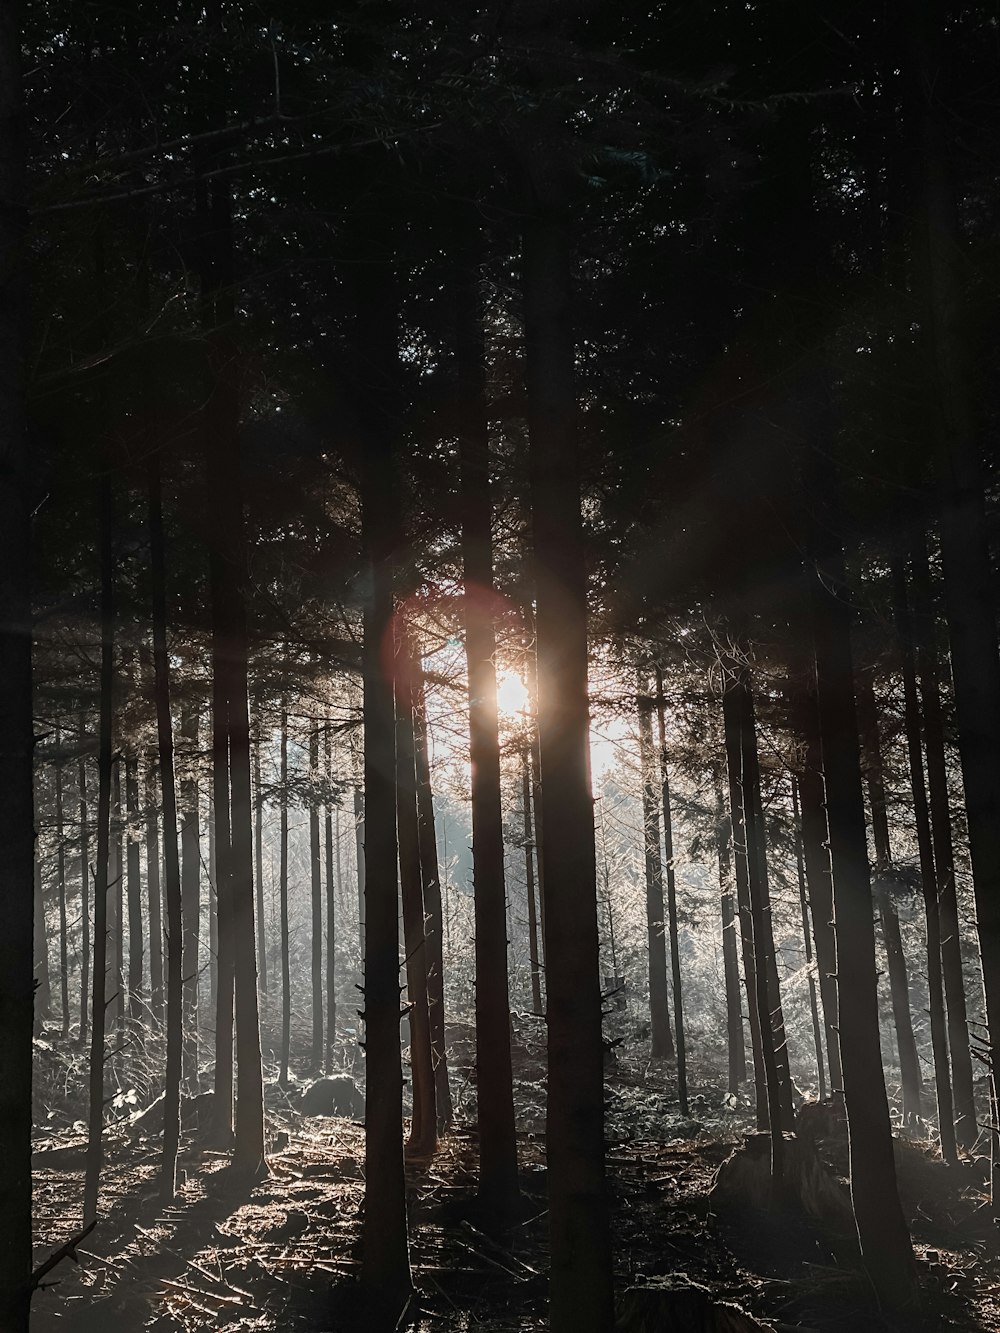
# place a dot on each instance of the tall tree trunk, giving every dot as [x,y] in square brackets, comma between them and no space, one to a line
[331,911]
[190,894]
[85,945]
[258,858]
[970,592]
[134,893]
[930,672]
[661,1045]
[423,1124]
[316,901]
[61,887]
[498,1187]
[800,869]
[105,741]
[385,1264]
[16,809]
[212,912]
[286,981]
[116,905]
[734,1009]
[928,874]
[40,950]
[171,863]
[431,879]
[741,722]
[668,862]
[886,1251]
[737,824]
[816,855]
[581,1281]
[529,877]
[153,889]
[359,863]
[899,985]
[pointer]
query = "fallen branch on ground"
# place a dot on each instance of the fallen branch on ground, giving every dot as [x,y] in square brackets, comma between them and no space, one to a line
[66,1250]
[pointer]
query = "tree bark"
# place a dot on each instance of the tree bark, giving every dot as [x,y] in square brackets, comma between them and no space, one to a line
[529,876]
[668,861]
[928,874]
[85,945]
[800,869]
[316,901]
[581,1281]
[930,672]
[134,896]
[61,888]
[498,1187]
[190,895]
[661,1045]
[153,890]
[286,985]
[331,914]
[258,858]
[737,1064]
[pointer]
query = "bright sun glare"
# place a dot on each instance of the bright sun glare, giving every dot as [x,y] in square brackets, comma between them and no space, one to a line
[512,695]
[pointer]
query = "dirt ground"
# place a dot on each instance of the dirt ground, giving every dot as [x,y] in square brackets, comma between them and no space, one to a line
[267,1256]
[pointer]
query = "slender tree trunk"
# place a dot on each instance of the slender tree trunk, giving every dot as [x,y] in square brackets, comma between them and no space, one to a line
[930,672]
[529,876]
[730,963]
[258,859]
[61,886]
[316,900]
[800,868]
[40,950]
[886,1251]
[816,855]
[134,894]
[16,809]
[171,863]
[212,911]
[85,945]
[423,1124]
[105,740]
[116,905]
[190,895]
[928,874]
[431,879]
[899,985]
[661,1046]
[331,914]
[286,983]
[581,1281]
[385,1265]
[734,768]
[359,862]
[741,723]
[153,898]
[970,592]
[498,1187]
[668,861]
[224,1078]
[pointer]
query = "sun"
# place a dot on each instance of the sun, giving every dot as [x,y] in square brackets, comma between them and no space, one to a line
[512,694]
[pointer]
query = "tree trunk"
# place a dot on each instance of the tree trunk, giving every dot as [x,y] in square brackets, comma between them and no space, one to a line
[316,901]
[581,1281]
[882,1233]
[661,1045]
[970,593]
[385,1264]
[816,855]
[431,879]
[928,875]
[61,888]
[85,945]
[529,876]
[190,895]
[930,672]
[286,984]
[737,824]
[105,741]
[359,863]
[668,861]
[899,985]
[153,898]
[498,1187]
[16,810]
[117,1003]
[258,860]
[730,962]
[171,864]
[331,913]
[40,950]
[800,868]
[423,1124]
[134,894]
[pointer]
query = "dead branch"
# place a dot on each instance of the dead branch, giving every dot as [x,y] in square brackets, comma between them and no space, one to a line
[66,1250]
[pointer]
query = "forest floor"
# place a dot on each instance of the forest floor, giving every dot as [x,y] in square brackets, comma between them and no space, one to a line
[267,1255]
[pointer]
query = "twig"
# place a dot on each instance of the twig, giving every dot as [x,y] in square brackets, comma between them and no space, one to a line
[66,1250]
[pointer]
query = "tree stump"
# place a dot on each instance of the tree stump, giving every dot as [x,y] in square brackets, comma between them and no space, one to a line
[681,1307]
